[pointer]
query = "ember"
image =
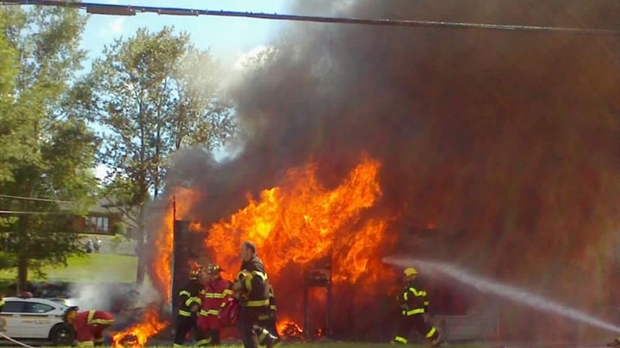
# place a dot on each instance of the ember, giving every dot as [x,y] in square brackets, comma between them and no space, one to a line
[138,335]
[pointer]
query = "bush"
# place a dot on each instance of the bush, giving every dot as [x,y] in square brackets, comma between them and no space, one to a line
[116,242]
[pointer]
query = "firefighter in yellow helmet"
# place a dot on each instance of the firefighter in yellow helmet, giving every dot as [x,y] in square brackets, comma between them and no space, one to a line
[414,305]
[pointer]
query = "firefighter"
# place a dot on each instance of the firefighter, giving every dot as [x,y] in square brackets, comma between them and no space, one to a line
[189,304]
[88,325]
[414,306]
[252,288]
[214,297]
[1,303]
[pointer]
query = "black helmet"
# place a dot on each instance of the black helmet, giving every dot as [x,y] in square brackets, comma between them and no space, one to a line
[193,275]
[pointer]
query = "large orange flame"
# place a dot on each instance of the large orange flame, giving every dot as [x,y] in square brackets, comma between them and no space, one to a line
[140,333]
[180,206]
[301,221]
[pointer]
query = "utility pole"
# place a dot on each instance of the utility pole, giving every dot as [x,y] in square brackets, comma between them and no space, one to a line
[174,224]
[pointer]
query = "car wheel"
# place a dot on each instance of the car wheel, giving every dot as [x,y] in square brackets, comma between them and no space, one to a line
[62,335]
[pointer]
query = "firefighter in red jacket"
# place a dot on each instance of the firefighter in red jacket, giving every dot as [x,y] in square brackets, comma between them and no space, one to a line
[214,297]
[414,306]
[88,325]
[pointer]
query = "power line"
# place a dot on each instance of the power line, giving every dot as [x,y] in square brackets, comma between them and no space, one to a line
[11,212]
[35,199]
[131,10]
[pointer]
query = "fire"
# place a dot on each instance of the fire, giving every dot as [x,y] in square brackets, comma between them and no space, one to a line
[141,332]
[195,226]
[289,329]
[183,201]
[301,221]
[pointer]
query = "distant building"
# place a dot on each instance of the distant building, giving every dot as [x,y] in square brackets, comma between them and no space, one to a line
[103,218]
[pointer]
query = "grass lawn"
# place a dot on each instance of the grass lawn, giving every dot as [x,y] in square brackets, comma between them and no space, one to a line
[90,268]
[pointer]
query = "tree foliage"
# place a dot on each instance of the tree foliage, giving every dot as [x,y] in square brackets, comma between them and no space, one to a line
[46,151]
[153,93]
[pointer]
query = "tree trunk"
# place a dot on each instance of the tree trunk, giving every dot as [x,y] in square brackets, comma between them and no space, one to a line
[22,274]
[142,256]
[24,249]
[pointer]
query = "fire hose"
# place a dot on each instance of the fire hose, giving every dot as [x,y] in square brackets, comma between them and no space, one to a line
[14,341]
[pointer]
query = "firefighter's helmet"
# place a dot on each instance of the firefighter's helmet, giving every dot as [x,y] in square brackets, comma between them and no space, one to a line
[410,272]
[213,269]
[193,275]
[241,276]
[70,313]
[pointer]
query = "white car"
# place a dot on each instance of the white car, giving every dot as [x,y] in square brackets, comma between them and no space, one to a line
[35,319]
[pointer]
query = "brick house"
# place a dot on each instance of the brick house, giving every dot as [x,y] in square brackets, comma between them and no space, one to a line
[101,219]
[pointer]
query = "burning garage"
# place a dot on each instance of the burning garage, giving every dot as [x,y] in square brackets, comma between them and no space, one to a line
[506,143]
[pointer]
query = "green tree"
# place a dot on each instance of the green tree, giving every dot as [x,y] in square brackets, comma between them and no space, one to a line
[10,130]
[46,150]
[153,93]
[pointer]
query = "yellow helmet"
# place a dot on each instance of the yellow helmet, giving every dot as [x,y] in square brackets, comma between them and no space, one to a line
[243,275]
[410,272]
[70,313]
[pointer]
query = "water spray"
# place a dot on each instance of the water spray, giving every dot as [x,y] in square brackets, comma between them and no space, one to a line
[508,292]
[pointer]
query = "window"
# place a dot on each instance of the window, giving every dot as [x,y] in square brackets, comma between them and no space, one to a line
[98,224]
[13,307]
[33,307]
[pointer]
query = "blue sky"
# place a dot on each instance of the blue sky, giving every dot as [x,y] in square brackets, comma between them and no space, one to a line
[228,38]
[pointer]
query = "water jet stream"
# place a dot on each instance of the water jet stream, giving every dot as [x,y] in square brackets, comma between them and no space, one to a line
[508,292]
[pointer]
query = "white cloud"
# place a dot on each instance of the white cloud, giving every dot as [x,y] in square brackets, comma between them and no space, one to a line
[117,25]
[101,172]
[113,27]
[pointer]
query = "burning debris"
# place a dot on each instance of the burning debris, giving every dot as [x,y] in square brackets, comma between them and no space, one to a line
[289,330]
[129,340]
[139,334]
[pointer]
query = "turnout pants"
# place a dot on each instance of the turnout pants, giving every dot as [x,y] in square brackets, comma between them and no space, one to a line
[208,330]
[419,324]
[184,326]
[92,334]
[269,323]
[252,333]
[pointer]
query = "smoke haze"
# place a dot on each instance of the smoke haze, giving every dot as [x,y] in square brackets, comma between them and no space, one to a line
[513,136]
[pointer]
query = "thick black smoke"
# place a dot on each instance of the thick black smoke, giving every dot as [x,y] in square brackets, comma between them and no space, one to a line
[513,136]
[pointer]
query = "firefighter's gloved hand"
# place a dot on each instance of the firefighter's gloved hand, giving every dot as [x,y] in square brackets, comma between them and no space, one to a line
[236,286]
